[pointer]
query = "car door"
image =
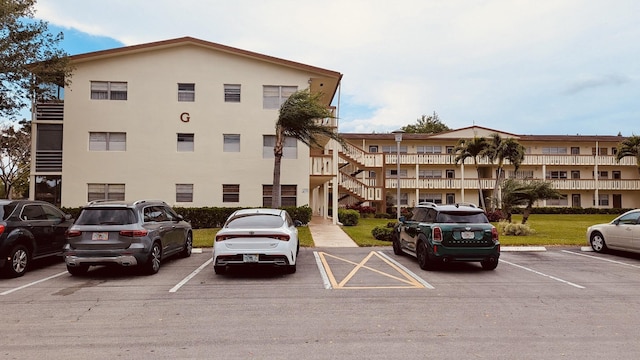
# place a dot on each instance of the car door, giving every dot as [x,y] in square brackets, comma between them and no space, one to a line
[635,233]
[409,229]
[620,234]
[34,220]
[155,222]
[176,234]
[60,222]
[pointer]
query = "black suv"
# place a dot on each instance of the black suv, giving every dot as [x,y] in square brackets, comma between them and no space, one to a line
[439,234]
[123,233]
[29,230]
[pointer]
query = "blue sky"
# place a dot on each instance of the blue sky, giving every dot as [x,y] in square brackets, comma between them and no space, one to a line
[520,66]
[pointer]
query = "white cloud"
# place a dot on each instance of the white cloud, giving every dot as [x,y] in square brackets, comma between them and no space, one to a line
[514,65]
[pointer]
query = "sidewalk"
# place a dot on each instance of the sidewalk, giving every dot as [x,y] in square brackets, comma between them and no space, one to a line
[326,234]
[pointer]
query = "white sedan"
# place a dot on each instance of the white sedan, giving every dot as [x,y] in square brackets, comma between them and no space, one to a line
[257,237]
[623,233]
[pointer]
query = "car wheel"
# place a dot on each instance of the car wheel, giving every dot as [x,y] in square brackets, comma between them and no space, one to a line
[188,246]
[152,265]
[597,242]
[489,264]
[423,256]
[78,270]
[19,259]
[395,241]
[220,269]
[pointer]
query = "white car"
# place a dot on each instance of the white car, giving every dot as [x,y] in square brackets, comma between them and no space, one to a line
[257,237]
[623,233]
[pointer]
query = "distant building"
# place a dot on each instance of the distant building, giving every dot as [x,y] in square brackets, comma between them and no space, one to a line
[192,122]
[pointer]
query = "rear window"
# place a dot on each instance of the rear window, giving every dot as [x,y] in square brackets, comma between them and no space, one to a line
[255,221]
[462,217]
[106,216]
[6,210]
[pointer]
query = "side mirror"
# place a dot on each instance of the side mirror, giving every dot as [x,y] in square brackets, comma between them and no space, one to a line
[67,217]
[297,223]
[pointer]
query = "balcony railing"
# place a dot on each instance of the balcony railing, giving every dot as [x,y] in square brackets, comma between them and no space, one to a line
[457,184]
[321,165]
[568,160]
[50,111]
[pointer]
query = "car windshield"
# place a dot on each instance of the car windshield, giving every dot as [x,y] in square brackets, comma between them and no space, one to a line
[6,211]
[461,217]
[106,216]
[255,221]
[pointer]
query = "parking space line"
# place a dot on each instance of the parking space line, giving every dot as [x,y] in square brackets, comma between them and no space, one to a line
[407,271]
[33,283]
[543,274]
[601,259]
[190,276]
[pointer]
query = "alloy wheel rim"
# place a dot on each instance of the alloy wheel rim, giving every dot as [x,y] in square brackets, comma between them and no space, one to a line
[19,261]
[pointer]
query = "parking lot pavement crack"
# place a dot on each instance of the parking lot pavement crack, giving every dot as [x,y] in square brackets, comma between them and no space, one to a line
[79,317]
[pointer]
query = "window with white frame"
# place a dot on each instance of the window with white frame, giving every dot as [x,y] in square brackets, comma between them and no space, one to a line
[289,151]
[556,174]
[231,93]
[231,143]
[274,96]
[185,142]
[392,149]
[186,92]
[108,90]
[107,141]
[451,198]
[429,149]
[393,173]
[105,192]
[554,150]
[404,198]
[288,195]
[563,201]
[184,192]
[231,193]
[430,174]
[431,197]
[373,148]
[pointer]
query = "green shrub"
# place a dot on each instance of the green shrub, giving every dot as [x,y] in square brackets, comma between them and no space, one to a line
[514,229]
[348,217]
[382,233]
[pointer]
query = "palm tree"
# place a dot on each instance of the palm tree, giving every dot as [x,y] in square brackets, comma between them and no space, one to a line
[503,149]
[526,193]
[472,148]
[629,147]
[297,119]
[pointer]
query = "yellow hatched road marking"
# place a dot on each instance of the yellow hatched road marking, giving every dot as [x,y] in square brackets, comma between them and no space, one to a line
[410,281]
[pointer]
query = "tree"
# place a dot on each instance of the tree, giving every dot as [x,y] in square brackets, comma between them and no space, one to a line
[427,125]
[297,119]
[29,58]
[472,148]
[503,149]
[526,193]
[629,147]
[15,156]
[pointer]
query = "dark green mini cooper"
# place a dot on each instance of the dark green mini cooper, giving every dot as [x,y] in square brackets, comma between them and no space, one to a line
[438,234]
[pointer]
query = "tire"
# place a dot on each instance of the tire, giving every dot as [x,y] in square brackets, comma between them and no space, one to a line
[19,260]
[290,269]
[152,266]
[490,264]
[395,241]
[422,253]
[220,270]
[78,270]
[597,242]
[188,246]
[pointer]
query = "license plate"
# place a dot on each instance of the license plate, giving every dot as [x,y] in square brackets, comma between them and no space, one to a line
[250,258]
[468,235]
[100,236]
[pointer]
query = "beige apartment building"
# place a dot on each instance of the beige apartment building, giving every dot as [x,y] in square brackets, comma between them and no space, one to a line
[192,123]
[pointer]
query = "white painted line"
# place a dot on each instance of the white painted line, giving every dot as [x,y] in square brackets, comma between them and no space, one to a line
[194,273]
[196,250]
[522,248]
[586,249]
[33,283]
[602,259]
[323,273]
[413,275]
[543,274]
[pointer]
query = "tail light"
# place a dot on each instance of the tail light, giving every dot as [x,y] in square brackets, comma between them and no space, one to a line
[133,233]
[281,237]
[72,233]
[494,234]
[1,229]
[437,234]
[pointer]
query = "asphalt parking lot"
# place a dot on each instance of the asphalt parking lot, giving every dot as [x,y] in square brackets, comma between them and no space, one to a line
[347,303]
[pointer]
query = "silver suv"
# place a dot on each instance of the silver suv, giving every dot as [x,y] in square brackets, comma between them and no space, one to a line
[123,233]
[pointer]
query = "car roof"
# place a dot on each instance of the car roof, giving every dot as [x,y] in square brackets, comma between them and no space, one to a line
[122,203]
[258,211]
[463,207]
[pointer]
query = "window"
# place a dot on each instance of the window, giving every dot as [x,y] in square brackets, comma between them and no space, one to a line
[602,174]
[430,174]
[230,193]
[450,149]
[108,90]
[404,198]
[563,201]
[451,174]
[186,92]
[231,93]
[575,151]
[614,151]
[616,175]
[373,148]
[603,200]
[601,151]
[429,149]
[49,147]
[106,141]
[556,175]
[394,173]
[392,150]
[451,198]
[105,192]
[575,174]
[231,143]
[288,194]
[290,150]
[274,96]
[371,174]
[554,150]
[185,142]
[49,188]
[430,197]
[184,192]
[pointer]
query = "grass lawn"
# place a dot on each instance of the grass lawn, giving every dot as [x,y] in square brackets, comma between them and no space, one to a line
[568,230]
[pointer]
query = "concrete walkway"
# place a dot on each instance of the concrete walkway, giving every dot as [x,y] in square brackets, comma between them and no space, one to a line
[326,234]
